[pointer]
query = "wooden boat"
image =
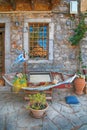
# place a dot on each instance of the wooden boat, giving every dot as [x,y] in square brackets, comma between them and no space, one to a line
[38,87]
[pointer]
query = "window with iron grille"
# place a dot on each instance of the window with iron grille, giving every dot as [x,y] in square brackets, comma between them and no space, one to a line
[38,40]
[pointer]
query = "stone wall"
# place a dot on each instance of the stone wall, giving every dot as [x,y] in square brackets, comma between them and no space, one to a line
[83,47]
[65,56]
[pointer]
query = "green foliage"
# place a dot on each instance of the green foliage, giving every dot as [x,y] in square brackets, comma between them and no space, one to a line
[21,80]
[78,32]
[80,56]
[80,75]
[37,101]
[84,67]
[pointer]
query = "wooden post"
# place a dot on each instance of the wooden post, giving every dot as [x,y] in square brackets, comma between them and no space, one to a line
[24,65]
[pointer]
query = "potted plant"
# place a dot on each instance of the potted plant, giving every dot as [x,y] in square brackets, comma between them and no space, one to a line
[79,34]
[79,83]
[37,105]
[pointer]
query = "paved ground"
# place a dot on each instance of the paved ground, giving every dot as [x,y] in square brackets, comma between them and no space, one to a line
[60,116]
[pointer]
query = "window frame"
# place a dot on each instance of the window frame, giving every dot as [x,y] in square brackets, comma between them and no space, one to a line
[39,25]
[51,39]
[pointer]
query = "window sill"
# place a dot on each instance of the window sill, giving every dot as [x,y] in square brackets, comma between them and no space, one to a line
[40,61]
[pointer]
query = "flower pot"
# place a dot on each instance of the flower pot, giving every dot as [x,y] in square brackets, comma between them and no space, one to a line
[38,113]
[79,84]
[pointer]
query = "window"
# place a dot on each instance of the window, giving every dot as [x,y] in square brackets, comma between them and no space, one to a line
[38,37]
[41,76]
[38,40]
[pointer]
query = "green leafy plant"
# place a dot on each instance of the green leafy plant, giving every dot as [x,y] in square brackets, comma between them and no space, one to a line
[80,75]
[79,32]
[37,101]
[19,79]
[84,67]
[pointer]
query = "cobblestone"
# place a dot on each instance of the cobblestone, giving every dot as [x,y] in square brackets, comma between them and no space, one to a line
[60,116]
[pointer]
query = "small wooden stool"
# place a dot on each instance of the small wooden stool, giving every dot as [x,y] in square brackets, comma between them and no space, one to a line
[47,92]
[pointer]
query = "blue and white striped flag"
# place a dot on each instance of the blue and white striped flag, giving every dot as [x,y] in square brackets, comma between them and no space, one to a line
[19,59]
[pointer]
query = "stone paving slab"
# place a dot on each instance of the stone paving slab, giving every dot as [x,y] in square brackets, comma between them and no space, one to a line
[60,116]
[37,128]
[62,123]
[84,127]
[2,122]
[48,124]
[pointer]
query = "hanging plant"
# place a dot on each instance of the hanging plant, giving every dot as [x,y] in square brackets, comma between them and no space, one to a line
[79,32]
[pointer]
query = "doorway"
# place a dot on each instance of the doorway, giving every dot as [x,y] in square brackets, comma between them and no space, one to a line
[2,49]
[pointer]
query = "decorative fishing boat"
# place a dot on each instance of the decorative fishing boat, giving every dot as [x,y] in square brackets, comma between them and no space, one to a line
[18,80]
[39,86]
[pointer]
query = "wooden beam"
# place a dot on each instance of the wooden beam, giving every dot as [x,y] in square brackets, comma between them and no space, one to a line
[32,3]
[51,4]
[13,4]
[50,1]
[47,98]
[16,12]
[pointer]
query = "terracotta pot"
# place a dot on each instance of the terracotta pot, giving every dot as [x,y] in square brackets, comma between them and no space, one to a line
[79,84]
[38,113]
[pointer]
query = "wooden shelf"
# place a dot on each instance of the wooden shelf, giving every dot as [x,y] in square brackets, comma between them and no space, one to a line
[47,92]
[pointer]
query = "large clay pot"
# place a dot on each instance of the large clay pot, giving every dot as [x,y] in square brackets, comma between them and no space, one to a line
[38,113]
[79,84]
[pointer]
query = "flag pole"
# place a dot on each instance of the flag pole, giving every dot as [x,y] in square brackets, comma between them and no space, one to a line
[24,64]
[25,67]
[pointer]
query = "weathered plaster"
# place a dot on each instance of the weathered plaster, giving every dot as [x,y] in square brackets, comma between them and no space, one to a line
[6,20]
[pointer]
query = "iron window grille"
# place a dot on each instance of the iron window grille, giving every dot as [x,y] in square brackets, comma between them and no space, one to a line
[38,40]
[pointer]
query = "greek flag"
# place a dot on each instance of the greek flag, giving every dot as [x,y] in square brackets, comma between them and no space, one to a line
[19,59]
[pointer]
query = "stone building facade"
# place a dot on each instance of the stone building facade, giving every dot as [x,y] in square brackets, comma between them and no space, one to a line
[62,56]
